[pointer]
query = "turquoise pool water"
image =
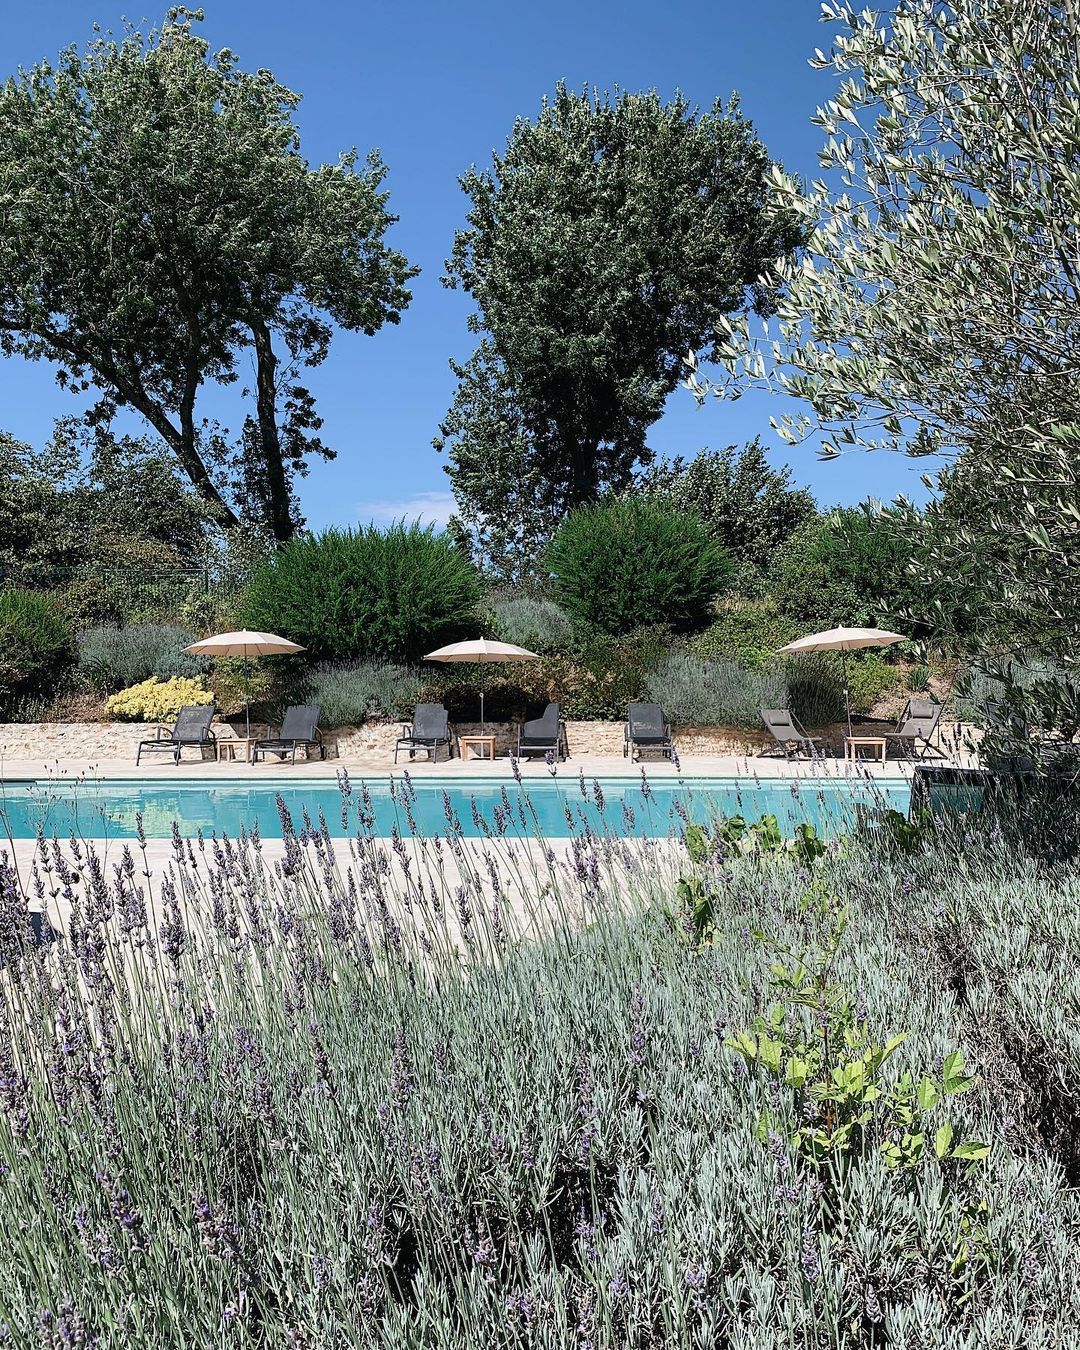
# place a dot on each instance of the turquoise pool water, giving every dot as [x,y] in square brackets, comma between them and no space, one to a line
[557,808]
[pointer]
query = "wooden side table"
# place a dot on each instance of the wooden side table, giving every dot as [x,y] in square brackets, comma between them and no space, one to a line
[476,747]
[853,744]
[229,745]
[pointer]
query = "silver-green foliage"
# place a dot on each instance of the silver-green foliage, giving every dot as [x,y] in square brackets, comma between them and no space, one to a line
[937,306]
[528,621]
[693,691]
[347,1102]
[350,695]
[112,658]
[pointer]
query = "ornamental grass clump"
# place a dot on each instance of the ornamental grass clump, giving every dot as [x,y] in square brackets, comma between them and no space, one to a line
[345,1091]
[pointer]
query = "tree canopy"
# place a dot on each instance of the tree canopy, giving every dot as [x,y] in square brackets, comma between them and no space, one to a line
[159,227]
[606,240]
[749,507]
[937,306]
[69,509]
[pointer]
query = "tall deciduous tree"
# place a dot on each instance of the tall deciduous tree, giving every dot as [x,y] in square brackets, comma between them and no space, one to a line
[158,225]
[937,307]
[604,243]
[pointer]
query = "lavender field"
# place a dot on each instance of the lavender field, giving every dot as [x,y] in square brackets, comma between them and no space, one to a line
[361,1096]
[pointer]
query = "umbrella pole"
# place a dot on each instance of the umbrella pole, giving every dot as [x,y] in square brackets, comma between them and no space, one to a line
[847,691]
[481,702]
[247,699]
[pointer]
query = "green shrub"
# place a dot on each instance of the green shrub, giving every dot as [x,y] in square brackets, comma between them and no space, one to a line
[815,689]
[37,647]
[595,681]
[111,658]
[751,634]
[540,625]
[350,695]
[693,691]
[628,563]
[364,594]
[869,677]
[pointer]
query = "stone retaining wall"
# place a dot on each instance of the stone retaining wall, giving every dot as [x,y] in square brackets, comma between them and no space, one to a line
[93,742]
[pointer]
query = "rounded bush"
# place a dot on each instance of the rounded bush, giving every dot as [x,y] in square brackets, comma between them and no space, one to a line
[350,695]
[539,625]
[156,700]
[630,563]
[752,634]
[366,594]
[112,658]
[37,645]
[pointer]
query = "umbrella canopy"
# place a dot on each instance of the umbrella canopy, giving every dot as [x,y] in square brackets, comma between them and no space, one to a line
[247,645]
[244,643]
[481,651]
[844,640]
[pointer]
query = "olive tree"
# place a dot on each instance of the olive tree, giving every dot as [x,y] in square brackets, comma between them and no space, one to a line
[936,307]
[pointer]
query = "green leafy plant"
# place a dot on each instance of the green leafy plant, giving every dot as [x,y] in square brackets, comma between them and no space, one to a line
[627,563]
[366,594]
[870,677]
[812,1042]
[37,645]
[735,837]
[750,634]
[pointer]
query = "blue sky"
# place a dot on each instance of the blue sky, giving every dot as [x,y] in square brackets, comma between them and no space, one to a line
[436,87]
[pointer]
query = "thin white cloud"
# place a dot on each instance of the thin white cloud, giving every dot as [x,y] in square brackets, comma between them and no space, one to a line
[431,508]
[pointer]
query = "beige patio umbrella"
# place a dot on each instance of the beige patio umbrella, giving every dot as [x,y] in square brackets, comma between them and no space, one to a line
[481,651]
[247,645]
[844,640]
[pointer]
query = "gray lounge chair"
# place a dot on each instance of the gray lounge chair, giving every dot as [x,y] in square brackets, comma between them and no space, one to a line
[192,727]
[299,727]
[543,735]
[646,729]
[429,729]
[915,728]
[789,735]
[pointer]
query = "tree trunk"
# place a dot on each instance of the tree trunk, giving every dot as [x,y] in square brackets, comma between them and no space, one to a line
[277,483]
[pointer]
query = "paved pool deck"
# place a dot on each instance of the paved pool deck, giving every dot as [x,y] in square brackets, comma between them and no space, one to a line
[749,767]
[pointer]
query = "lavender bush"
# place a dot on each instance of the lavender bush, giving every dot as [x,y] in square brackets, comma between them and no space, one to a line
[433,1092]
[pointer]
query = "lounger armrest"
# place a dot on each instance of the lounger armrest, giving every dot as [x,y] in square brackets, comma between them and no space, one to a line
[406,730]
[163,733]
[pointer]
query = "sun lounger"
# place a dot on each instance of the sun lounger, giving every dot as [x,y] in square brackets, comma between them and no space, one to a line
[646,729]
[915,728]
[543,735]
[299,727]
[191,728]
[789,736]
[429,729]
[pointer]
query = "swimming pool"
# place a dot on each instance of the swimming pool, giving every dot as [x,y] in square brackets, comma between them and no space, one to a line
[555,808]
